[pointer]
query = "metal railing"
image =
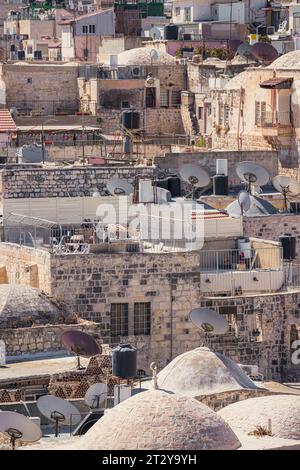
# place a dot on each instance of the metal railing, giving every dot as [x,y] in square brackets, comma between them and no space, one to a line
[275,119]
[214,261]
[50,107]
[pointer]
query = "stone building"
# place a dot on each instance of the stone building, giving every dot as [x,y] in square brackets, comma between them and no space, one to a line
[151,86]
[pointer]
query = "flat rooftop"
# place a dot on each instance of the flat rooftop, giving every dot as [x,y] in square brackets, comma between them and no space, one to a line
[41,367]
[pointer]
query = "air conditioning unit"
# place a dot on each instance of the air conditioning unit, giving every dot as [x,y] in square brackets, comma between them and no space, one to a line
[136,72]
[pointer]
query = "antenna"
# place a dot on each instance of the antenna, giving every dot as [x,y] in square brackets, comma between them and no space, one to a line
[19,428]
[96,395]
[80,344]
[244,201]
[209,321]
[287,186]
[196,176]
[252,173]
[119,187]
[59,411]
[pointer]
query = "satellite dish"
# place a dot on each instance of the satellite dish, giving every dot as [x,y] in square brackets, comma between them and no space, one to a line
[119,187]
[81,344]
[59,411]
[258,208]
[154,55]
[196,176]
[264,52]
[96,395]
[19,428]
[96,194]
[163,195]
[287,186]
[252,173]
[244,201]
[245,50]
[209,321]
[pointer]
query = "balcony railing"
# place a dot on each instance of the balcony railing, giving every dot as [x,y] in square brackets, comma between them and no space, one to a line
[217,261]
[275,119]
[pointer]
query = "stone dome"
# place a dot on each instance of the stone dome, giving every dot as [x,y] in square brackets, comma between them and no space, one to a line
[202,372]
[142,56]
[282,410]
[290,61]
[23,306]
[156,420]
[237,82]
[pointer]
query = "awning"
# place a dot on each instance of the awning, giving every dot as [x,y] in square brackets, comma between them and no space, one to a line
[278,83]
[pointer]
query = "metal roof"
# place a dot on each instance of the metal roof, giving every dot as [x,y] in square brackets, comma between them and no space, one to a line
[22,219]
[277,83]
[7,124]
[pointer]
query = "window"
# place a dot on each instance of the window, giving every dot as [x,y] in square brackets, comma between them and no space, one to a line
[177,11]
[29,49]
[92,29]
[187,15]
[200,112]
[29,80]
[119,320]
[260,113]
[142,318]
[164,98]
[226,114]
[176,97]
[84,29]
[125,105]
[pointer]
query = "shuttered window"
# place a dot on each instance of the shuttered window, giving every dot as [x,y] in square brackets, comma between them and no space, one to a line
[142,318]
[119,320]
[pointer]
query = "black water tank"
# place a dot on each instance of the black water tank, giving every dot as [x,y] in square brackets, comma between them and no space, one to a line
[288,243]
[295,207]
[220,185]
[130,119]
[171,32]
[21,55]
[124,361]
[174,186]
[163,183]
[37,55]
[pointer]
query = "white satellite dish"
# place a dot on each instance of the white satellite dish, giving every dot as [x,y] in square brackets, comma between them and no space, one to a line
[119,187]
[96,395]
[59,411]
[287,186]
[196,176]
[19,428]
[96,194]
[244,201]
[209,321]
[154,55]
[252,174]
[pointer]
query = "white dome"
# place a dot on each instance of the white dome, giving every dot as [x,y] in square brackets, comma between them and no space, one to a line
[237,82]
[202,372]
[155,420]
[142,56]
[291,60]
[282,410]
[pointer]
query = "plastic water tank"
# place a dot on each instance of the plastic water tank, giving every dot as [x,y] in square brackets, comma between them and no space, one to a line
[130,119]
[288,243]
[37,55]
[163,183]
[295,207]
[174,186]
[220,185]
[124,360]
[21,55]
[222,166]
[171,32]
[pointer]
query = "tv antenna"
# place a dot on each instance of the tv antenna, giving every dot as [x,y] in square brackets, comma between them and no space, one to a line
[80,344]
[252,174]
[18,428]
[59,411]
[287,186]
[196,177]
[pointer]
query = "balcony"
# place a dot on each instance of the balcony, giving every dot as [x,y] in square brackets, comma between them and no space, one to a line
[236,272]
[276,124]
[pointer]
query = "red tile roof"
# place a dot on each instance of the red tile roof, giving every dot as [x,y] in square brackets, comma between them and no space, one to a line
[7,124]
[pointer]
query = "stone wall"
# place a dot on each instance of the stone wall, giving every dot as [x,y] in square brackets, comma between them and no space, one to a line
[24,265]
[217,401]
[208,159]
[63,182]
[273,226]
[163,121]
[40,340]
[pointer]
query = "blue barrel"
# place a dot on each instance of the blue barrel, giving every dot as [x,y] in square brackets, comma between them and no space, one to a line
[124,360]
